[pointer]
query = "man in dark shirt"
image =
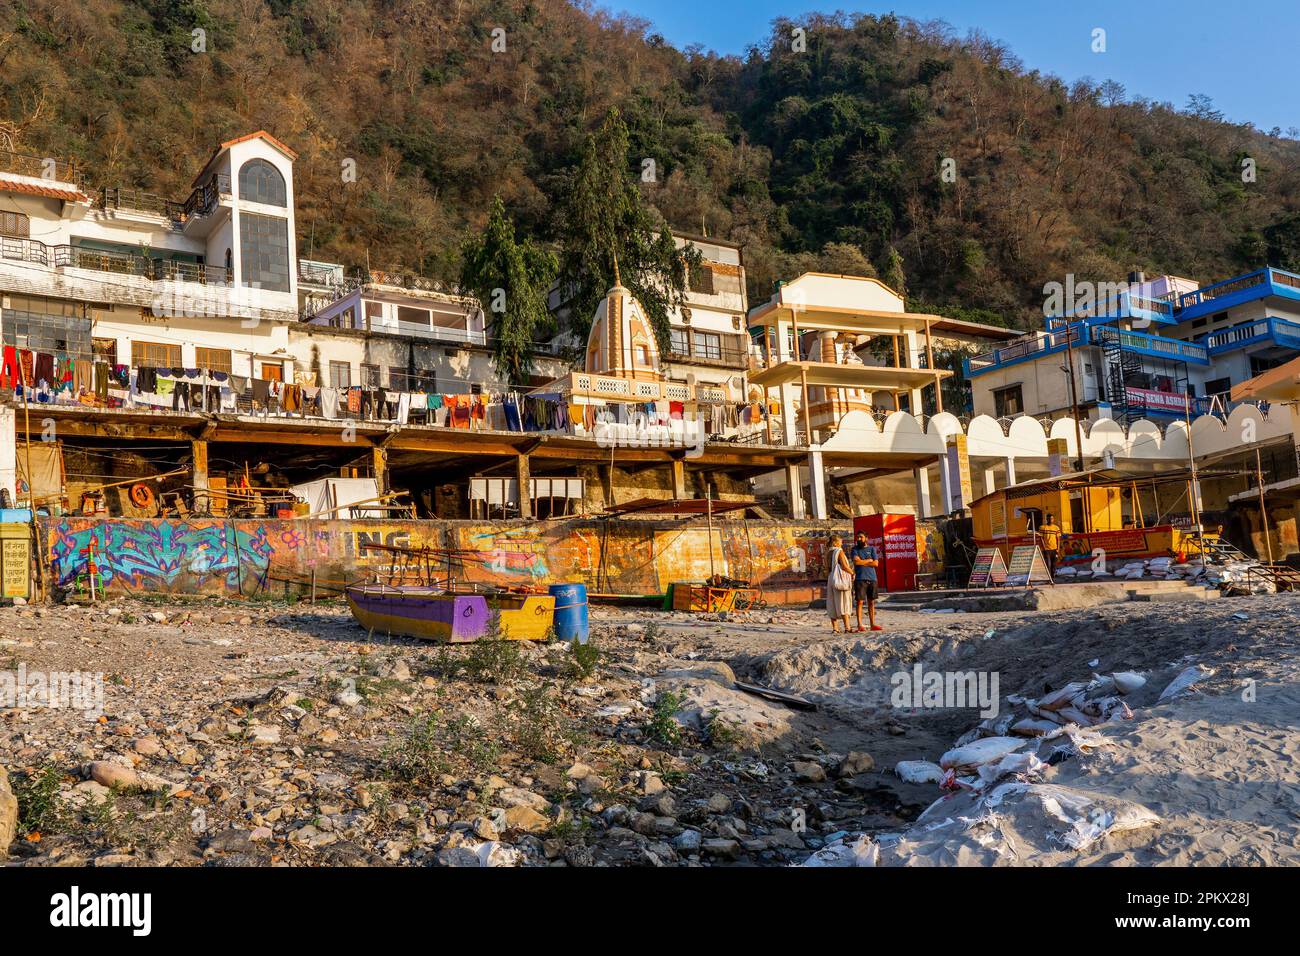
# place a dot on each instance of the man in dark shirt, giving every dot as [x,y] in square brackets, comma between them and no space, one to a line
[864,560]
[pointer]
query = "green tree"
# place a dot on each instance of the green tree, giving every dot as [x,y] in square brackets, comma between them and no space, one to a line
[893,275]
[604,225]
[511,278]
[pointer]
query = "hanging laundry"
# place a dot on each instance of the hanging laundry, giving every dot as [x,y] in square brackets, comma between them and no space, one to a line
[9,369]
[28,362]
[43,370]
[101,382]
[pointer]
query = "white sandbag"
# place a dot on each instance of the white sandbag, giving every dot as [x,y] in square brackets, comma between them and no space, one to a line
[862,852]
[1011,763]
[1061,697]
[1128,681]
[1033,727]
[1076,716]
[981,752]
[919,771]
[1185,681]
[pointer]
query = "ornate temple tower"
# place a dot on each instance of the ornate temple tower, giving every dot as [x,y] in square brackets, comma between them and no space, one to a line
[622,343]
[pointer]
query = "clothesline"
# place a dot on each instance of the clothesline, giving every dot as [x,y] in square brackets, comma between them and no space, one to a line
[59,378]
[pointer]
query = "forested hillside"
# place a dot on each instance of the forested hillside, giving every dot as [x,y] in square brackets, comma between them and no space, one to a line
[830,157]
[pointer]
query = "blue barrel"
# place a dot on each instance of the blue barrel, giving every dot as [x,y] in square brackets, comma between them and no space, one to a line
[570,612]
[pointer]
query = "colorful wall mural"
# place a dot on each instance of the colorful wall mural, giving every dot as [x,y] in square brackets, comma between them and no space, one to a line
[243,558]
[141,555]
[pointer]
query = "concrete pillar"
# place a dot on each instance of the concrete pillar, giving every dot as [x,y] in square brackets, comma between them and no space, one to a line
[945,486]
[9,453]
[379,462]
[1011,471]
[789,426]
[990,481]
[202,501]
[817,485]
[525,486]
[679,479]
[922,478]
[794,487]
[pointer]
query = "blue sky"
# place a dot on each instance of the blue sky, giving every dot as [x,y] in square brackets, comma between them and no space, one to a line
[1240,54]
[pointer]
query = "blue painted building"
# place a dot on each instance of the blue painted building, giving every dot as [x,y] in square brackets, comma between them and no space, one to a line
[1145,348]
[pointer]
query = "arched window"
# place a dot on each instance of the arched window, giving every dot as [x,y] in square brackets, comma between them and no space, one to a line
[259,181]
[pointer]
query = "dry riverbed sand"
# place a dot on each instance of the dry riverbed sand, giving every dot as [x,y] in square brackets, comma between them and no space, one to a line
[261,733]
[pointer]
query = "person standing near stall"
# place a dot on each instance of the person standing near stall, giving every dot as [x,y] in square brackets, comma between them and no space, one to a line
[865,561]
[839,585]
[1051,534]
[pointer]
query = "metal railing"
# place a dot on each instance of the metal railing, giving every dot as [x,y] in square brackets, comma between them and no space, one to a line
[1174,348]
[1280,331]
[1220,289]
[1030,347]
[118,263]
[38,167]
[205,196]
[725,354]
[24,250]
[115,197]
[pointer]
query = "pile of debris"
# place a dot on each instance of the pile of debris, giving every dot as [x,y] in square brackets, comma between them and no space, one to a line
[1214,574]
[996,804]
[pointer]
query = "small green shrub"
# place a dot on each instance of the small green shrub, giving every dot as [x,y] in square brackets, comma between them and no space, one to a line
[722,734]
[662,726]
[583,659]
[535,725]
[467,739]
[40,807]
[416,760]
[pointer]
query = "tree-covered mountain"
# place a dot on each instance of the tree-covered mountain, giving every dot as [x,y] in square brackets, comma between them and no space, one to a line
[828,154]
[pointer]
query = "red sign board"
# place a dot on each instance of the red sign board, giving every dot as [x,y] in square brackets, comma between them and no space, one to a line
[894,538]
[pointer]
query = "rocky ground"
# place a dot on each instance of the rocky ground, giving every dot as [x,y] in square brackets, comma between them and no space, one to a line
[276,734]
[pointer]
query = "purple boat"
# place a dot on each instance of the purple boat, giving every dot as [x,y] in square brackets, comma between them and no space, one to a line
[419,611]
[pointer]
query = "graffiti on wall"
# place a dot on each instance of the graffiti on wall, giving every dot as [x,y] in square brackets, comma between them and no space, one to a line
[162,555]
[244,557]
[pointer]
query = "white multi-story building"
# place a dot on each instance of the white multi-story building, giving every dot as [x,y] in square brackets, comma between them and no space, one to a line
[134,279]
[401,332]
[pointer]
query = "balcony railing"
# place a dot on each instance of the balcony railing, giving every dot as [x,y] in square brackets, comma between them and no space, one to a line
[1038,346]
[1122,305]
[404,280]
[1279,331]
[118,263]
[1220,289]
[722,355]
[438,332]
[205,197]
[114,197]
[1027,348]
[38,167]
[1160,346]
[24,250]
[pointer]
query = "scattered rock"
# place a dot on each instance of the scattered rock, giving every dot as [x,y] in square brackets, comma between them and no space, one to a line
[854,763]
[113,775]
[809,771]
